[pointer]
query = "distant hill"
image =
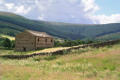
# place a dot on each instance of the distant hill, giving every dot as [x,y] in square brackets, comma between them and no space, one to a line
[112,36]
[11,24]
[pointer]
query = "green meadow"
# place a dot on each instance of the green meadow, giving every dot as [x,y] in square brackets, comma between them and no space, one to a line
[82,64]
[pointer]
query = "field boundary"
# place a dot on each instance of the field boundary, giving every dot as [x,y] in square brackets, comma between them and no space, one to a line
[60,52]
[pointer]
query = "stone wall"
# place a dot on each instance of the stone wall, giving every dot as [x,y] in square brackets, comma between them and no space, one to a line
[25,42]
[63,50]
[43,42]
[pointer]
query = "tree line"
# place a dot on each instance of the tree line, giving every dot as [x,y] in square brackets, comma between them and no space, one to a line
[67,43]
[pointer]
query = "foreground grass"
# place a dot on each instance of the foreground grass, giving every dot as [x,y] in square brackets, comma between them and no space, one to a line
[88,63]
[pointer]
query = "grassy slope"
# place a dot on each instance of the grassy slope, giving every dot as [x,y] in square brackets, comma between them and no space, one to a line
[89,63]
[12,24]
[7,36]
[112,36]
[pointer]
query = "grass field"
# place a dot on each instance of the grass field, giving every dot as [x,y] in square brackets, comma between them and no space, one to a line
[88,63]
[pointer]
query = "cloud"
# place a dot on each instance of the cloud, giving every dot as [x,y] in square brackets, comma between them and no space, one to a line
[41,17]
[18,8]
[90,6]
[71,11]
[9,5]
[64,10]
[1,1]
[103,19]
[21,9]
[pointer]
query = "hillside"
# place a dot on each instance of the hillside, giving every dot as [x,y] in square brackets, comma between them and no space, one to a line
[7,36]
[111,36]
[86,64]
[11,24]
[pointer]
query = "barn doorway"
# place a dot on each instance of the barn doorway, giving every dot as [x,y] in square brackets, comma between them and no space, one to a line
[24,49]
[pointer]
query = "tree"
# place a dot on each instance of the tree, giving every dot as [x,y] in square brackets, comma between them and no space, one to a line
[13,43]
[57,43]
[7,43]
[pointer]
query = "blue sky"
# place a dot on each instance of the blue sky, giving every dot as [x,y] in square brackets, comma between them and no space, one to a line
[70,11]
[108,7]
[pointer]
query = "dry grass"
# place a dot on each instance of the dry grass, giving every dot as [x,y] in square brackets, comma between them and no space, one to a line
[51,49]
[1,71]
[12,52]
[27,73]
[89,63]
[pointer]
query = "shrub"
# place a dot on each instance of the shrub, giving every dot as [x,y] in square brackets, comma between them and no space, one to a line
[50,58]
[1,41]
[7,43]
[37,58]
[68,43]
[13,44]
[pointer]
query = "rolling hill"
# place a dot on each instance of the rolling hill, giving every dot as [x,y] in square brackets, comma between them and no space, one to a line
[11,24]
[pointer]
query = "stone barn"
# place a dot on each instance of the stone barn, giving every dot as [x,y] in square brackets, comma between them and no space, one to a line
[32,40]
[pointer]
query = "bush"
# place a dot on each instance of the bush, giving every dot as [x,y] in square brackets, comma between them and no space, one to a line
[50,58]
[1,41]
[13,44]
[68,43]
[57,43]
[7,43]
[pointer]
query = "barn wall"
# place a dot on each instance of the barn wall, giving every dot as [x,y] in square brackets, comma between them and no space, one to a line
[42,42]
[25,42]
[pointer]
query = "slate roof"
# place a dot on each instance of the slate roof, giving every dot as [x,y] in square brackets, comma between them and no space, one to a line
[39,34]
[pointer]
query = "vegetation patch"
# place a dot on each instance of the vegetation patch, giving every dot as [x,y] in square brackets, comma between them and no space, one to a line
[50,58]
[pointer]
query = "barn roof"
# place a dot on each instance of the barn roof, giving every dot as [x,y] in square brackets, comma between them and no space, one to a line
[39,34]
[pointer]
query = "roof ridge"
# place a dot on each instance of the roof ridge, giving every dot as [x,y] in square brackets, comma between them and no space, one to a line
[37,33]
[34,31]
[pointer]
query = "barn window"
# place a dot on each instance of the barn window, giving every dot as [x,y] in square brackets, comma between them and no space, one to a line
[45,40]
[51,40]
[24,49]
[38,39]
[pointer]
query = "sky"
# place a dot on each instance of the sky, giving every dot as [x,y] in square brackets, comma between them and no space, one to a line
[69,11]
